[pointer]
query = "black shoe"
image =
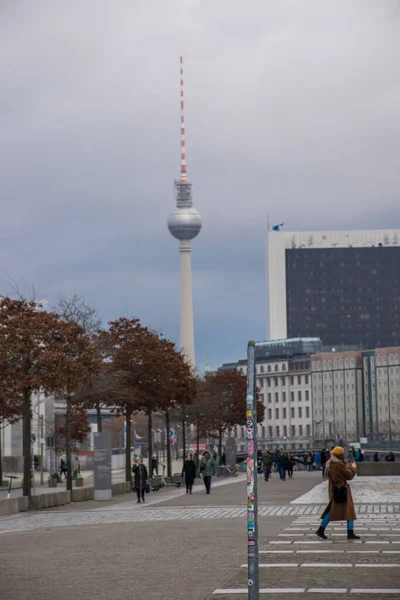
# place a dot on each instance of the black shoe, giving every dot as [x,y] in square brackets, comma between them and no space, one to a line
[321,533]
[351,535]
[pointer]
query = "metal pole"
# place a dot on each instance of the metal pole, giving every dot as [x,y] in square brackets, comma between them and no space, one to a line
[252,491]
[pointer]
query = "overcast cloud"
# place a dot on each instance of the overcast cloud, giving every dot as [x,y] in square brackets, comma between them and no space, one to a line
[292,108]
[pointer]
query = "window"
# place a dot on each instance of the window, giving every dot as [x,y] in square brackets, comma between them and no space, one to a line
[269,369]
[300,429]
[293,430]
[269,414]
[300,412]
[307,412]
[307,395]
[269,399]
[283,380]
[262,398]
[263,432]
[285,430]
[299,396]
[268,382]
[270,431]
[292,380]
[292,411]
[283,367]
[276,397]
[276,381]
[284,413]
[299,379]
[262,369]
[276,367]
[283,396]
[308,429]
[292,396]
[306,379]
[277,431]
[277,413]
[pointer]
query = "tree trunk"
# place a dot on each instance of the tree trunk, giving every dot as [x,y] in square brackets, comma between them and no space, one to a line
[198,438]
[219,443]
[128,466]
[26,443]
[183,434]
[150,441]
[198,447]
[169,463]
[99,418]
[1,458]
[68,444]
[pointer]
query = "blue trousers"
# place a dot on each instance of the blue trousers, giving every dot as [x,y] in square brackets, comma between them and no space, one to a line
[325,521]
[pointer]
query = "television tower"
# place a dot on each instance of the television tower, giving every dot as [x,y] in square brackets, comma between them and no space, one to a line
[184,224]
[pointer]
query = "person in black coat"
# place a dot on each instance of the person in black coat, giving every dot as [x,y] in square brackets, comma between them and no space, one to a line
[141,478]
[189,470]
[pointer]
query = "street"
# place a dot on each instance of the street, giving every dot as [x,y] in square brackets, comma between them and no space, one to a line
[195,547]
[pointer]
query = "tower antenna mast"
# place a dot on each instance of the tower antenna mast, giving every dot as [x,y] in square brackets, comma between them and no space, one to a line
[183,141]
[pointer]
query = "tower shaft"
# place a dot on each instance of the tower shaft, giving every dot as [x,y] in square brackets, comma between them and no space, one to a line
[187,327]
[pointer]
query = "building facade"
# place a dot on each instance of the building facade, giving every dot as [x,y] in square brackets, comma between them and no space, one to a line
[356,395]
[340,286]
[284,379]
[314,399]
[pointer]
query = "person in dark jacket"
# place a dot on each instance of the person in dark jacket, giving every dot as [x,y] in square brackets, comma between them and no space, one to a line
[389,457]
[324,460]
[376,457]
[141,478]
[189,470]
[291,463]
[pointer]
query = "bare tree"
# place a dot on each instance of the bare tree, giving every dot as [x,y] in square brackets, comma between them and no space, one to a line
[76,309]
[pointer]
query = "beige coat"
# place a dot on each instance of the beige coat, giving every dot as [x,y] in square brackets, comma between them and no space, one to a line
[339,473]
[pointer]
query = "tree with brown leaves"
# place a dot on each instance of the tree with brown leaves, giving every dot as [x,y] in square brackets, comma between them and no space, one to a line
[38,351]
[222,404]
[134,352]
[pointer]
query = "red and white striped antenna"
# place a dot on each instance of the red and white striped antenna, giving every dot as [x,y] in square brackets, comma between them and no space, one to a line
[183,144]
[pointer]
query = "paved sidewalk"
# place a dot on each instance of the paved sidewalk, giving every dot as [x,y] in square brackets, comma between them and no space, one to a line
[182,547]
[296,563]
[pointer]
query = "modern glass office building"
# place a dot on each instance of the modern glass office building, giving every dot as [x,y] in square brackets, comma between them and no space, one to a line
[343,287]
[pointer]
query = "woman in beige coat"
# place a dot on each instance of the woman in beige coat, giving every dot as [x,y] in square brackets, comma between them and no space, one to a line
[341,506]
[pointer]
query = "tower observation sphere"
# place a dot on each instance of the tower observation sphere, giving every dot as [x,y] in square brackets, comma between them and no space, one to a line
[184,223]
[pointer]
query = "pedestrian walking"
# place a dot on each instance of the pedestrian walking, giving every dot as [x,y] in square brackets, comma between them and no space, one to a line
[267,464]
[63,468]
[340,506]
[376,457]
[389,457]
[141,479]
[291,463]
[281,466]
[324,460]
[207,469]
[77,468]
[309,462]
[154,465]
[189,471]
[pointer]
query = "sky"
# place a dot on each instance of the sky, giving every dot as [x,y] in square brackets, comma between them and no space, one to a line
[292,110]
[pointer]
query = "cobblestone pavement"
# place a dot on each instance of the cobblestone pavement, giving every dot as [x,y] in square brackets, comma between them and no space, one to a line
[180,547]
[137,514]
[297,562]
[365,490]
